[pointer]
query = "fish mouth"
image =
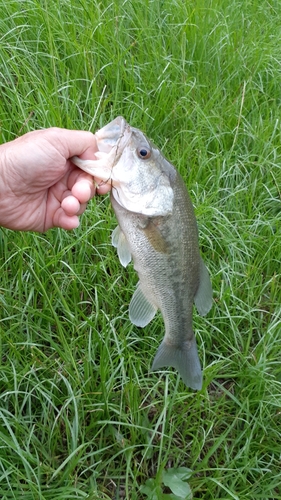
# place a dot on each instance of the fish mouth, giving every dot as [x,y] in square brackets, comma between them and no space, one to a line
[111,141]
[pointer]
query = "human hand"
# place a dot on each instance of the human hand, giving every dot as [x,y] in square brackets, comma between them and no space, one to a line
[40,187]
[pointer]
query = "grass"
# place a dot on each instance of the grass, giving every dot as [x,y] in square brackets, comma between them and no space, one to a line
[81,416]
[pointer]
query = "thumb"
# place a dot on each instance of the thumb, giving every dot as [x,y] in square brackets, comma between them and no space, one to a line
[73,142]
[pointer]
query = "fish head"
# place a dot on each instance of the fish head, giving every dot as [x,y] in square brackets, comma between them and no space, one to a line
[140,176]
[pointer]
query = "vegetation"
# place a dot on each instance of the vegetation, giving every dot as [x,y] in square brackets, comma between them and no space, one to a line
[81,415]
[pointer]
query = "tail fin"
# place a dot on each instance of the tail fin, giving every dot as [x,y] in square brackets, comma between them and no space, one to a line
[184,358]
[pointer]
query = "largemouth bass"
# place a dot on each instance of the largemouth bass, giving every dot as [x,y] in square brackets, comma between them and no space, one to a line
[158,230]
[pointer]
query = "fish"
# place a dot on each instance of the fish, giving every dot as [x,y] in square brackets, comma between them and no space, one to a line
[157,229]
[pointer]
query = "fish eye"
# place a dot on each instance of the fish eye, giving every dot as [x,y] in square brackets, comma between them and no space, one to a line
[144,153]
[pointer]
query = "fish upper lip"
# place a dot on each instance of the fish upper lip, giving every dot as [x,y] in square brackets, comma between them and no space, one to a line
[113,141]
[112,132]
[125,127]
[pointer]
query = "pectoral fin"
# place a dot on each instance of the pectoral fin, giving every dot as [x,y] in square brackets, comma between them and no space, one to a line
[204,295]
[141,311]
[119,241]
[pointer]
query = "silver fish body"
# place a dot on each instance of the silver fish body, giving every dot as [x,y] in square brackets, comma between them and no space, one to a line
[158,230]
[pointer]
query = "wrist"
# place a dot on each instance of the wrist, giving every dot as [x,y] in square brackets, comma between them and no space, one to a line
[6,207]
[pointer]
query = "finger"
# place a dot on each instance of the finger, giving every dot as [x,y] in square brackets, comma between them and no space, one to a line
[84,186]
[68,222]
[102,187]
[74,142]
[84,189]
[82,208]
[70,205]
[81,184]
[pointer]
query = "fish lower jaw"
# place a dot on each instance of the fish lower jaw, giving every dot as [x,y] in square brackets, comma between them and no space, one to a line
[96,168]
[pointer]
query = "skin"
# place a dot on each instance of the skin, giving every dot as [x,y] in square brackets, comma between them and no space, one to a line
[40,187]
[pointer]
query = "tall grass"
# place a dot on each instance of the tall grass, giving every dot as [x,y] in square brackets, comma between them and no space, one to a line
[81,415]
